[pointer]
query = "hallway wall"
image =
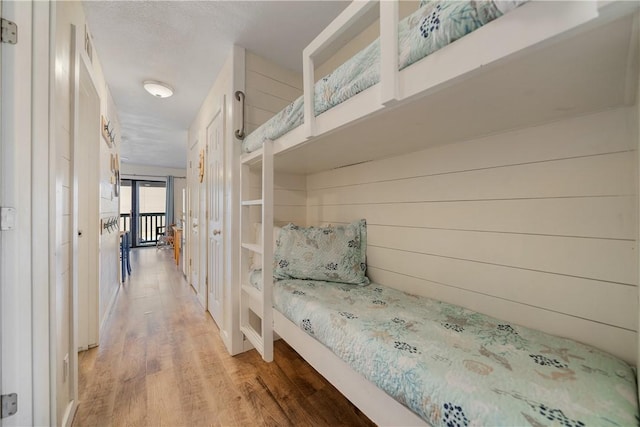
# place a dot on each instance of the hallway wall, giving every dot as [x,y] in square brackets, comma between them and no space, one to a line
[64,373]
[219,94]
[109,263]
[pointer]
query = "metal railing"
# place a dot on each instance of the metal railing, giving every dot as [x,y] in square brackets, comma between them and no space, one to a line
[147,226]
[125,222]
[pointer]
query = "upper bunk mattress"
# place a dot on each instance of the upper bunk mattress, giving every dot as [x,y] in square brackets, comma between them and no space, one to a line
[431,27]
[453,366]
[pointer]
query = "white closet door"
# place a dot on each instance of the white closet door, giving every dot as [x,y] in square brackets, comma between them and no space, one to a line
[215,210]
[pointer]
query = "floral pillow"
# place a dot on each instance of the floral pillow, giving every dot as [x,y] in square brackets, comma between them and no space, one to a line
[331,254]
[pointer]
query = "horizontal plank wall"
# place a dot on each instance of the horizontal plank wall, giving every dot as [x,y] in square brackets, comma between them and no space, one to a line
[536,226]
[269,88]
[289,198]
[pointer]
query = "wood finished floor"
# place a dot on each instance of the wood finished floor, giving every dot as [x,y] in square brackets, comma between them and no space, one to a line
[161,362]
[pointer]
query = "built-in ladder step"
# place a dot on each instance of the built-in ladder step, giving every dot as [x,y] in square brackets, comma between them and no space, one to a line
[257,202]
[255,299]
[252,247]
[256,317]
[254,337]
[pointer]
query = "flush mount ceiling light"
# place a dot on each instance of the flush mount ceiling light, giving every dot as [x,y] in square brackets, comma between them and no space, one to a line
[158,89]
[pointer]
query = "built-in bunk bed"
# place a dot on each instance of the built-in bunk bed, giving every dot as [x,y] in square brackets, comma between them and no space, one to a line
[403,359]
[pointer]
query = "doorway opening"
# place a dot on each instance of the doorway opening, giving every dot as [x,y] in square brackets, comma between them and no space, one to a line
[142,210]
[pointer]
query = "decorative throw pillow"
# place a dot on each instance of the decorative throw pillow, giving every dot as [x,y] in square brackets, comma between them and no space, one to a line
[331,254]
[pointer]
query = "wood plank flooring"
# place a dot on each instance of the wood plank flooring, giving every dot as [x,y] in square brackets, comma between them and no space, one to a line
[161,362]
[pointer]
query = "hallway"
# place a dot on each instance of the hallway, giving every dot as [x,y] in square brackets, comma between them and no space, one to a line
[161,362]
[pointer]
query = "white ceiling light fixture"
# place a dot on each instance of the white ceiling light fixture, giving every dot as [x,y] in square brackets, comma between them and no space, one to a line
[158,89]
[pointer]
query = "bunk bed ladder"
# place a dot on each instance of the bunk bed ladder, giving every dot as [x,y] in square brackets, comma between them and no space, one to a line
[256,312]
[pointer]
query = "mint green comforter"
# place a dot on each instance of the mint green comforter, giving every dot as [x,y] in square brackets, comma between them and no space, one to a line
[455,367]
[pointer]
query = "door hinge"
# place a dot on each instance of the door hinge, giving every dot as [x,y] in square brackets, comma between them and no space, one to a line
[7,219]
[9,404]
[9,32]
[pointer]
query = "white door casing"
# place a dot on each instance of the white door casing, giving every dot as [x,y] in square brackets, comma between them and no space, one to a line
[24,247]
[202,235]
[25,174]
[3,275]
[215,209]
[86,171]
[2,260]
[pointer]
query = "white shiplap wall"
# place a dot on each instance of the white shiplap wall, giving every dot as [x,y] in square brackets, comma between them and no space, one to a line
[269,88]
[535,226]
[289,198]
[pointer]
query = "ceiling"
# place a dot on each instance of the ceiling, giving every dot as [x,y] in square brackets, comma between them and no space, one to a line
[185,44]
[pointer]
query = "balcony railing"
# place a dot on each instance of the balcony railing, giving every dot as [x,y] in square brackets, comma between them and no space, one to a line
[148,224]
[125,222]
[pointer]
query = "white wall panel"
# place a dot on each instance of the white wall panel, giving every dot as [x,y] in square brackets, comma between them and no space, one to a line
[599,259]
[602,133]
[605,217]
[269,85]
[536,226]
[269,88]
[599,175]
[269,69]
[554,292]
[268,102]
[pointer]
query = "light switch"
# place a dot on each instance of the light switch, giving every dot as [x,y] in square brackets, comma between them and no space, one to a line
[7,219]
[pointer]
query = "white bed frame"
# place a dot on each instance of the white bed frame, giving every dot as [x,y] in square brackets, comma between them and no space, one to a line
[383,112]
[371,400]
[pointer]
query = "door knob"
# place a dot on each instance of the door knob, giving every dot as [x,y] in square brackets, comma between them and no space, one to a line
[216,232]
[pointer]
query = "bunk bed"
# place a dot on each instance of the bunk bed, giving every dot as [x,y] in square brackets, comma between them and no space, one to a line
[431,27]
[372,122]
[445,363]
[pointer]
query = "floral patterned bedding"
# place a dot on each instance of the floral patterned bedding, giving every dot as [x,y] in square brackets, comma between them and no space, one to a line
[433,26]
[455,367]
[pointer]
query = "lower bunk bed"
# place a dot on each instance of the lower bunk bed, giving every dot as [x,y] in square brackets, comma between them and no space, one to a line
[410,360]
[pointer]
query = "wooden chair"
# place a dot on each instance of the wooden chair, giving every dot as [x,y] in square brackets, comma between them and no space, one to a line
[164,236]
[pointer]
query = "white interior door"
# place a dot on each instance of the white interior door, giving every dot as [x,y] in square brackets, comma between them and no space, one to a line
[86,151]
[201,290]
[215,187]
[194,209]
